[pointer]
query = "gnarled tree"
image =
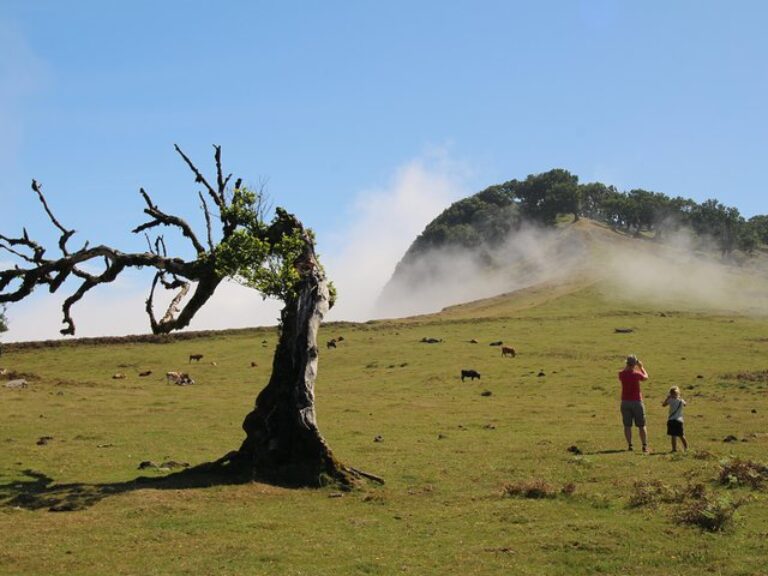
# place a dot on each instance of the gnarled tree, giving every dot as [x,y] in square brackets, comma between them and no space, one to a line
[283,443]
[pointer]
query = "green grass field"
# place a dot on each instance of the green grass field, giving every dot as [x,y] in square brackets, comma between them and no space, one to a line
[449,452]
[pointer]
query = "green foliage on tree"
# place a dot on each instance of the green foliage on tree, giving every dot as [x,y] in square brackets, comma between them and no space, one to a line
[543,196]
[486,218]
[759,226]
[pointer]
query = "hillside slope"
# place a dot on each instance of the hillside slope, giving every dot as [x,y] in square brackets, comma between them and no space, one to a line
[536,264]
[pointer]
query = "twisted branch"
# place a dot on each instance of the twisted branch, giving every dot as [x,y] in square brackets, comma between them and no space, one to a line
[160,217]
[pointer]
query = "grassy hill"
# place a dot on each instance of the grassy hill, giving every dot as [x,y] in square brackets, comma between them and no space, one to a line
[458,457]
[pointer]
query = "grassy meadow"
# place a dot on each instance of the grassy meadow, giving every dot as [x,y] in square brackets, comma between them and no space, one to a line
[455,455]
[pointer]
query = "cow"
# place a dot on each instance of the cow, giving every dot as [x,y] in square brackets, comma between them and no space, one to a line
[497,343]
[331,343]
[340,339]
[472,374]
[426,340]
[118,376]
[180,378]
[195,357]
[145,373]
[508,351]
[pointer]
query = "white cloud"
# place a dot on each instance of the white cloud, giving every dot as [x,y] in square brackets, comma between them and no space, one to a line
[383,223]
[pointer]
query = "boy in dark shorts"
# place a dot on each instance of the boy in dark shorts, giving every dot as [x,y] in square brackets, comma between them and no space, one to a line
[675,418]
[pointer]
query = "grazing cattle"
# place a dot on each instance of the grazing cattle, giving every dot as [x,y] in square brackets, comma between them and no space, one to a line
[118,376]
[472,374]
[195,357]
[497,343]
[180,378]
[331,343]
[340,339]
[431,340]
[16,384]
[253,364]
[508,351]
[145,373]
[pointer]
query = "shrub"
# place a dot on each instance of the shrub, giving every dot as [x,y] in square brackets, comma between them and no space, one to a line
[737,472]
[708,512]
[650,493]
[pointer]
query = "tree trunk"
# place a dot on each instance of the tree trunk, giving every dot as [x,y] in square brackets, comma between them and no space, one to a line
[283,444]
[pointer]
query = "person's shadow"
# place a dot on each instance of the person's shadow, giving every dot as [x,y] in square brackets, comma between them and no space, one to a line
[38,491]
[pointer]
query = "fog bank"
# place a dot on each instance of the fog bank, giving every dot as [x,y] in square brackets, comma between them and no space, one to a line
[680,272]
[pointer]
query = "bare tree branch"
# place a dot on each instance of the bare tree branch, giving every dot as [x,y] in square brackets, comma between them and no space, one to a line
[161,217]
[37,250]
[222,183]
[207,220]
[172,273]
[65,234]
[6,243]
[200,178]
[173,308]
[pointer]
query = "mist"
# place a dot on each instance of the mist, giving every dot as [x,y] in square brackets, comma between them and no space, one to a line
[383,223]
[687,273]
[682,271]
[444,277]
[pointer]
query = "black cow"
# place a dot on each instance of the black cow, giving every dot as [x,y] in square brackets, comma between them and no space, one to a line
[470,374]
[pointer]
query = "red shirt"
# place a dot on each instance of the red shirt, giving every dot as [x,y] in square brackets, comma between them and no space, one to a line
[630,385]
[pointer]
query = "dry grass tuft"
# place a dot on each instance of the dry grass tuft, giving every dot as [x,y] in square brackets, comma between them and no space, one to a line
[708,512]
[738,472]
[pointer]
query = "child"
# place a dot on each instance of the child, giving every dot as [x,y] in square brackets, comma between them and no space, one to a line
[675,418]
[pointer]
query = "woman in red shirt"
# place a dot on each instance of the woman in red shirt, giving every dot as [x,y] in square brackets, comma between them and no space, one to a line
[632,407]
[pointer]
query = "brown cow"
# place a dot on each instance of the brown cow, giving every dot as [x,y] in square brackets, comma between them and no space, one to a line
[196,357]
[508,351]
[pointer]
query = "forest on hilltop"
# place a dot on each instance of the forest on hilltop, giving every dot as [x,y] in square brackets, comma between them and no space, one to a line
[487,218]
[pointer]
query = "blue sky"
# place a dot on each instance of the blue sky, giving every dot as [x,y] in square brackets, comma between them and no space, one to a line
[351,112]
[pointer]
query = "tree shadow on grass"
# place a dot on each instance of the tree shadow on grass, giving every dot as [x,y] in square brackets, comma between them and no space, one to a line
[39,491]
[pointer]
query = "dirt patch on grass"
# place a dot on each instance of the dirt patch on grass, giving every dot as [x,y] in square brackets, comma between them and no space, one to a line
[13,375]
[536,488]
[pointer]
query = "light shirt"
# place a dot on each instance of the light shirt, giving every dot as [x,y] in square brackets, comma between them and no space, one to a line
[676,406]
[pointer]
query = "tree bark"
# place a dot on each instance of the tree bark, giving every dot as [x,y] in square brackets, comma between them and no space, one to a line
[283,444]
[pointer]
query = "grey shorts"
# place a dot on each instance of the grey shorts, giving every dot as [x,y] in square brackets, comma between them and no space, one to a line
[633,411]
